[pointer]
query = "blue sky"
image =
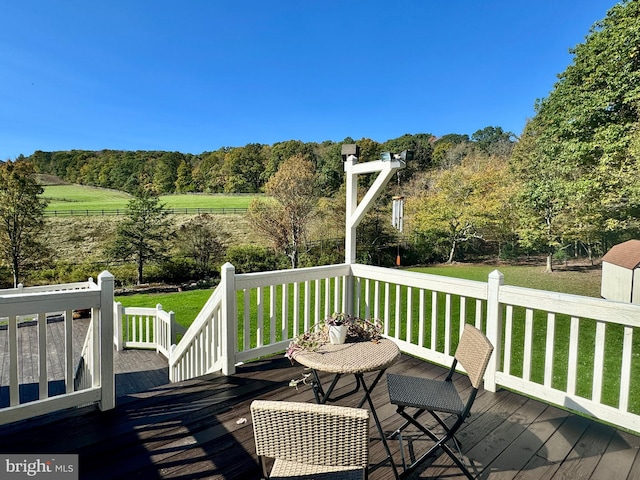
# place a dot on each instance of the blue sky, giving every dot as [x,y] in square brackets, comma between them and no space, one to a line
[197,75]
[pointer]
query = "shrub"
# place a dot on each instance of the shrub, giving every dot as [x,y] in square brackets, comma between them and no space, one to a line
[254,258]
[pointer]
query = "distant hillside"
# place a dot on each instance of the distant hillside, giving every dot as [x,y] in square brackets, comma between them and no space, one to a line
[47,179]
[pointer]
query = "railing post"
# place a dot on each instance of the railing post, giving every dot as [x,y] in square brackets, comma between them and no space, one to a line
[349,287]
[105,353]
[228,327]
[118,314]
[494,328]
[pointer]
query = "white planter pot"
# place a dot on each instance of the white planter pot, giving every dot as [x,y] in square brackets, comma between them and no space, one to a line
[338,334]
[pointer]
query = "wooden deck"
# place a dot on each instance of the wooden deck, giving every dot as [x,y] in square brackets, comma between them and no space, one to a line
[202,429]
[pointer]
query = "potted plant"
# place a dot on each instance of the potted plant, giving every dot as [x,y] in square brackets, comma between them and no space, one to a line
[338,324]
[355,329]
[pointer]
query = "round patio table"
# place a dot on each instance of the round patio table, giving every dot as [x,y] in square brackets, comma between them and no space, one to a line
[352,358]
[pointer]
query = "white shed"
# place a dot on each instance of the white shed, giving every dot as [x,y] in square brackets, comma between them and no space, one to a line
[620,267]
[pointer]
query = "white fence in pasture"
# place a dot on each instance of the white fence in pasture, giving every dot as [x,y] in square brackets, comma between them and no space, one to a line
[86,381]
[575,352]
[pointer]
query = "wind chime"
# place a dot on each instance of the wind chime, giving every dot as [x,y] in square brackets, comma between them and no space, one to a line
[397,219]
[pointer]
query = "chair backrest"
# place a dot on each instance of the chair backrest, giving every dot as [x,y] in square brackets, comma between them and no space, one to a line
[310,433]
[473,353]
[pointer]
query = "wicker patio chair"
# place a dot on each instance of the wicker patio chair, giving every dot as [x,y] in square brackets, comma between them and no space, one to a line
[308,440]
[441,397]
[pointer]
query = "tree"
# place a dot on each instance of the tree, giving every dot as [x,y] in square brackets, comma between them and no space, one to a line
[200,239]
[576,160]
[143,234]
[184,180]
[493,141]
[243,168]
[463,203]
[21,217]
[284,217]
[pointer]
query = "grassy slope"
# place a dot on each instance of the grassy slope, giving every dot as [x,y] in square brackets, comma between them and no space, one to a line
[80,197]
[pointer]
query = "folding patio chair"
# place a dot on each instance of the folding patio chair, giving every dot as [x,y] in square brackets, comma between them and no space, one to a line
[308,440]
[440,397]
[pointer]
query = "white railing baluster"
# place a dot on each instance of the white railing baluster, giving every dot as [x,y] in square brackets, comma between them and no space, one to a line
[447,324]
[69,367]
[421,321]
[14,387]
[272,313]
[260,312]
[285,310]
[625,373]
[598,362]
[43,381]
[508,339]
[572,373]
[409,319]
[528,344]
[397,317]
[549,348]
[434,320]
[387,308]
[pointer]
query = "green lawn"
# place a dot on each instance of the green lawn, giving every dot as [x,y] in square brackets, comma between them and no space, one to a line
[63,198]
[578,280]
[186,305]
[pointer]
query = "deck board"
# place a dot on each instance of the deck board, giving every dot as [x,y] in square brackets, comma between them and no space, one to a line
[191,430]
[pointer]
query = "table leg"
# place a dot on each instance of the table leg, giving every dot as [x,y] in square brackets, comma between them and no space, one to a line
[324,397]
[367,398]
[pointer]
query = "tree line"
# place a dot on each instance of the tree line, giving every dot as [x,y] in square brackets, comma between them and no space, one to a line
[244,169]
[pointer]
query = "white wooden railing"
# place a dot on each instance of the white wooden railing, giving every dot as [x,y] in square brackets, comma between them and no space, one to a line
[576,352]
[93,382]
[145,328]
[573,341]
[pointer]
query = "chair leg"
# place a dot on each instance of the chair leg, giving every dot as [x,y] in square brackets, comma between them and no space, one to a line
[440,443]
[447,429]
[400,410]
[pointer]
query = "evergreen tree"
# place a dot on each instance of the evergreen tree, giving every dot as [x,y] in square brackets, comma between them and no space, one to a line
[144,233]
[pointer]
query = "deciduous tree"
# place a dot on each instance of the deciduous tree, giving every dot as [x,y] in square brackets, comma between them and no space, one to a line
[575,158]
[21,217]
[463,203]
[201,240]
[285,216]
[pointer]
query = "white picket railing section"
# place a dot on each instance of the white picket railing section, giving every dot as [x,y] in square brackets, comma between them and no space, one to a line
[144,328]
[199,352]
[575,338]
[93,381]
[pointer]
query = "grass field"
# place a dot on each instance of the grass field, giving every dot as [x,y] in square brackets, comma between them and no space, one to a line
[577,279]
[63,198]
[186,305]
